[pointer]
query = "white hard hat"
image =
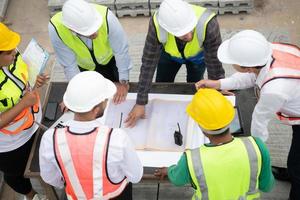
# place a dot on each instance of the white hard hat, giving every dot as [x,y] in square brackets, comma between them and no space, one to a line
[86,90]
[247,48]
[177,17]
[81,17]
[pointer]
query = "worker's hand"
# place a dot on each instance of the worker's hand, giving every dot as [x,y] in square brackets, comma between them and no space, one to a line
[41,79]
[62,107]
[208,84]
[137,112]
[122,90]
[29,99]
[161,172]
[227,93]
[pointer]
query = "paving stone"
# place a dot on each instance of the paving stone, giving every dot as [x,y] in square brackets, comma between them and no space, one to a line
[3,7]
[131,4]
[235,10]
[236,3]
[133,12]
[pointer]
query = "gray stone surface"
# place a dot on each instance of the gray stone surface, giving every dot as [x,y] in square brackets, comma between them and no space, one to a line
[3,8]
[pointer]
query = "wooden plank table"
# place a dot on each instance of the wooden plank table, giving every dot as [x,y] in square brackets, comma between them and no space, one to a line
[245,101]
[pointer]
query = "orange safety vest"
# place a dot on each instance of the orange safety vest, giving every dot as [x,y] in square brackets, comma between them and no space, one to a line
[286,64]
[82,159]
[14,80]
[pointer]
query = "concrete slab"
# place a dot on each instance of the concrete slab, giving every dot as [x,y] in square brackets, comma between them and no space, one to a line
[236,3]
[133,12]
[131,4]
[3,7]
[56,5]
[204,3]
[235,10]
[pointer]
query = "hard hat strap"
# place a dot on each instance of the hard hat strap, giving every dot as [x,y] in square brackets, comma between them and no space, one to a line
[215,132]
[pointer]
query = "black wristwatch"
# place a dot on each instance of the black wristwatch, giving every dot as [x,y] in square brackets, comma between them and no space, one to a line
[125,82]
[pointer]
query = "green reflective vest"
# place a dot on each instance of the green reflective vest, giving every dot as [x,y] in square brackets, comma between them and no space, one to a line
[193,50]
[229,171]
[86,59]
[10,90]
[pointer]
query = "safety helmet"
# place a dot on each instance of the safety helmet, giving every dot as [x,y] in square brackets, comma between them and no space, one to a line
[211,110]
[86,90]
[247,48]
[9,40]
[177,17]
[81,17]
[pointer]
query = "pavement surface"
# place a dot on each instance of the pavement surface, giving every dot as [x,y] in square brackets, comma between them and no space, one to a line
[277,20]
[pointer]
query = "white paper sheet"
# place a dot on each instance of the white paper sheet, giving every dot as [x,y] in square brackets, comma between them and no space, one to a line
[36,58]
[151,158]
[165,114]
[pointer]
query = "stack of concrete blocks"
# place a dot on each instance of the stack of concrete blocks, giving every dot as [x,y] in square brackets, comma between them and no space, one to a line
[3,7]
[132,8]
[210,4]
[56,5]
[235,6]
[217,6]
[135,8]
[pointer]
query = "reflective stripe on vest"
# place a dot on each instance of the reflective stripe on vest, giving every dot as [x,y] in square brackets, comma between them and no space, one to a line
[200,172]
[286,64]
[102,51]
[84,169]
[193,50]
[13,82]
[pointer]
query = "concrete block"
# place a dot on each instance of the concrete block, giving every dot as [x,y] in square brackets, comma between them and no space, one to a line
[236,3]
[204,3]
[131,4]
[235,10]
[3,7]
[56,5]
[133,12]
[154,4]
[211,4]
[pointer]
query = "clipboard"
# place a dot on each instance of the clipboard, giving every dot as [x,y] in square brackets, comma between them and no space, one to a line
[36,57]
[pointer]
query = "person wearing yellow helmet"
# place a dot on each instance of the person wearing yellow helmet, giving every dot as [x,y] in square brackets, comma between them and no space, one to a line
[19,109]
[273,69]
[227,167]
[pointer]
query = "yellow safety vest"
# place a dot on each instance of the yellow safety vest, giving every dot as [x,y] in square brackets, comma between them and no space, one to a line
[228,171]
[86,59]
[193,50]
[13,83]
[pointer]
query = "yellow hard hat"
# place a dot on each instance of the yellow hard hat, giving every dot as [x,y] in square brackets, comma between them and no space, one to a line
[210,109]
[9,40]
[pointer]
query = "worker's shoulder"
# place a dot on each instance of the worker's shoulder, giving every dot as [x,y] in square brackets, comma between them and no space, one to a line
[47,137]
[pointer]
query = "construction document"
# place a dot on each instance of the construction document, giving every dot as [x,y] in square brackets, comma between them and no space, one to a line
[36,58]
[153,137]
